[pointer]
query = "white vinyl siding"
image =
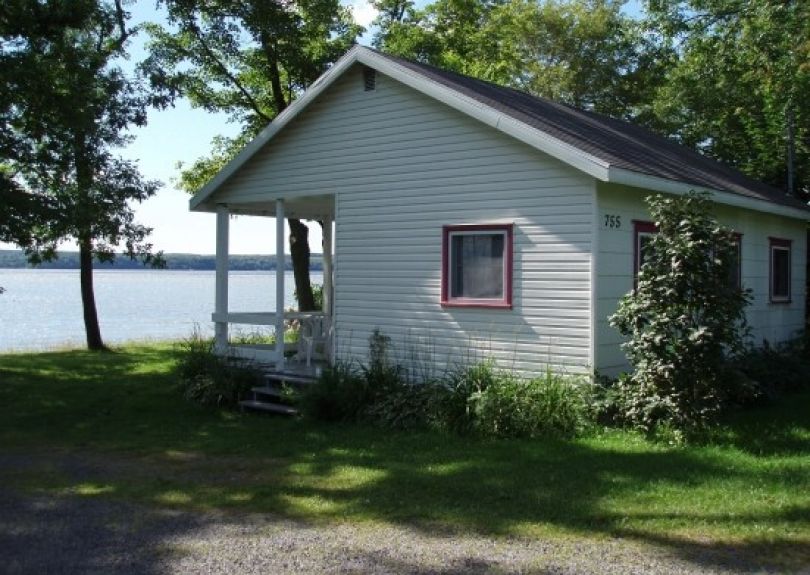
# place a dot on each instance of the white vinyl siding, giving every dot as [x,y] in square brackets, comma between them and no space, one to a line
[402,166]
[774,322]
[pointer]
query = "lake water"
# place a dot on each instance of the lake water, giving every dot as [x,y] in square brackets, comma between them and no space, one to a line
[42,309]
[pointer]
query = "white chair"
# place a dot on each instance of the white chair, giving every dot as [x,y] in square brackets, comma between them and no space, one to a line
[314,338]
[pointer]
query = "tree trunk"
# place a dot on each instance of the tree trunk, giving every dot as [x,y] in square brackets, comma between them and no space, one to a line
[91,327]
[299,252]
[299,233]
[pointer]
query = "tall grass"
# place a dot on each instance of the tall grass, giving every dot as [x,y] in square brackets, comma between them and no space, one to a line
[208,378]
[477,399]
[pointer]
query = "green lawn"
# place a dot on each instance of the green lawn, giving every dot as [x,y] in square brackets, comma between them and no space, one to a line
[119,414]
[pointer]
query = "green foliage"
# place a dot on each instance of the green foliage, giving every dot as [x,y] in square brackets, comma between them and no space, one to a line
[209,379]
[683,319]
[347,391]
[64,108]
[341,394]
[585,53]
[248,59]
[743,75]
[477,399]
[774,371]
[553,406]
[724,77]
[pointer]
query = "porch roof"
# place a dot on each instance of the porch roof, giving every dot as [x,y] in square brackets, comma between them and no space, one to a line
[314,207]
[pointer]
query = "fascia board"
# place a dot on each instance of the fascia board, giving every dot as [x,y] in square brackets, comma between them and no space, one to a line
[638,180]
[273,128]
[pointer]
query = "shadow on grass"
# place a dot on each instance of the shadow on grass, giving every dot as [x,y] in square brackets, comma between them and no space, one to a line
[782,428]
[735,504]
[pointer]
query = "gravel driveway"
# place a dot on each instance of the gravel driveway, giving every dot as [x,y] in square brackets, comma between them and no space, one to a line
[70,533]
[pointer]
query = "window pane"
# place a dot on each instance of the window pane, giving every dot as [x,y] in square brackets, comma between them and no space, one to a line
[734,271]
[781,273]
[477,266]
[644,240]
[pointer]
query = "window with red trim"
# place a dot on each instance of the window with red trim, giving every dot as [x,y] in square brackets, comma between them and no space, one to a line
[477,265]
[780,270]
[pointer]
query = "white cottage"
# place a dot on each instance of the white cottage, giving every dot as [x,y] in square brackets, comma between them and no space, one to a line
[472,220]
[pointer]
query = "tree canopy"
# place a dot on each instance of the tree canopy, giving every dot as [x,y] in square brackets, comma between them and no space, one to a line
[739,91]
[65,110]
[248,59]
[585,53]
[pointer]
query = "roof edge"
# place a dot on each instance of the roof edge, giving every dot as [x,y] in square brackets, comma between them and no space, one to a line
[655,183]
[284,118]
[558,149]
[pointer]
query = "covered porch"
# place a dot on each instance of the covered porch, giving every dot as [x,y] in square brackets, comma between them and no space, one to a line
[315,347]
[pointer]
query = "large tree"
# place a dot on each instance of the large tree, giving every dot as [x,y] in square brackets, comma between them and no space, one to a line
[740,90]
[585,52]
[248,59]
[66,106]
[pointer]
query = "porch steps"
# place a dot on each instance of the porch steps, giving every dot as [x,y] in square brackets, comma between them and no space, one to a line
[275,395]
[257,405]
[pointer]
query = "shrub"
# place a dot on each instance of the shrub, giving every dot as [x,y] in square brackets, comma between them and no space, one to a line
[410,406]
[461,386]
[553,405]
[772,371]
[349,391]
[682,320]
[210,379]
[476,398]
[340,394]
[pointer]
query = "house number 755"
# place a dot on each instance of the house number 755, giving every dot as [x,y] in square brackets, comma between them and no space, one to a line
[613,221]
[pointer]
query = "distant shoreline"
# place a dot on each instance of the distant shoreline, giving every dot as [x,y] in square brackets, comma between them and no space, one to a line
[15,259]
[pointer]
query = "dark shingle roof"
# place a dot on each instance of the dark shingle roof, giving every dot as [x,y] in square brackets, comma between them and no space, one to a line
[619,143]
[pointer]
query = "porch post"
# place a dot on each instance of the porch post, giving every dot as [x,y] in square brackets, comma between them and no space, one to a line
[221,290]
[280,270]
[327,265]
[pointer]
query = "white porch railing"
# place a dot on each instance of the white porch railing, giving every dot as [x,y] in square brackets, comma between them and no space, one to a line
[222,317]
[266,353]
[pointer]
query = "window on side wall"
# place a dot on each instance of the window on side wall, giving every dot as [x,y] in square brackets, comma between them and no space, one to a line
[477,266]
[780,270]
[735,277]
[643,232]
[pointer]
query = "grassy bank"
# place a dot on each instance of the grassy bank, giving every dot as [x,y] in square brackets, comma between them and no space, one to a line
[119,416]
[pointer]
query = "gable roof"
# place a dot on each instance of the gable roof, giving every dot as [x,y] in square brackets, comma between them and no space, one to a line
[608,149]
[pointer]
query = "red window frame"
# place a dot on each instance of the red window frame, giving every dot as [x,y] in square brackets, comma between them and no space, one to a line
[500,303]
[781,244]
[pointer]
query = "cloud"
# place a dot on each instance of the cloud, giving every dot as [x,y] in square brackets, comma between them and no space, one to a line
[363,12]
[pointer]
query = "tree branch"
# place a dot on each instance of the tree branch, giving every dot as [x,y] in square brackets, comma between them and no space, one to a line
[209,52]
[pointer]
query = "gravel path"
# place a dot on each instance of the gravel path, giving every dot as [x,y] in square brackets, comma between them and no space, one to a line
[68,534]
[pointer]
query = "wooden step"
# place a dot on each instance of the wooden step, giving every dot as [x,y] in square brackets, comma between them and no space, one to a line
[290,378]
[268,407]
[276,391]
